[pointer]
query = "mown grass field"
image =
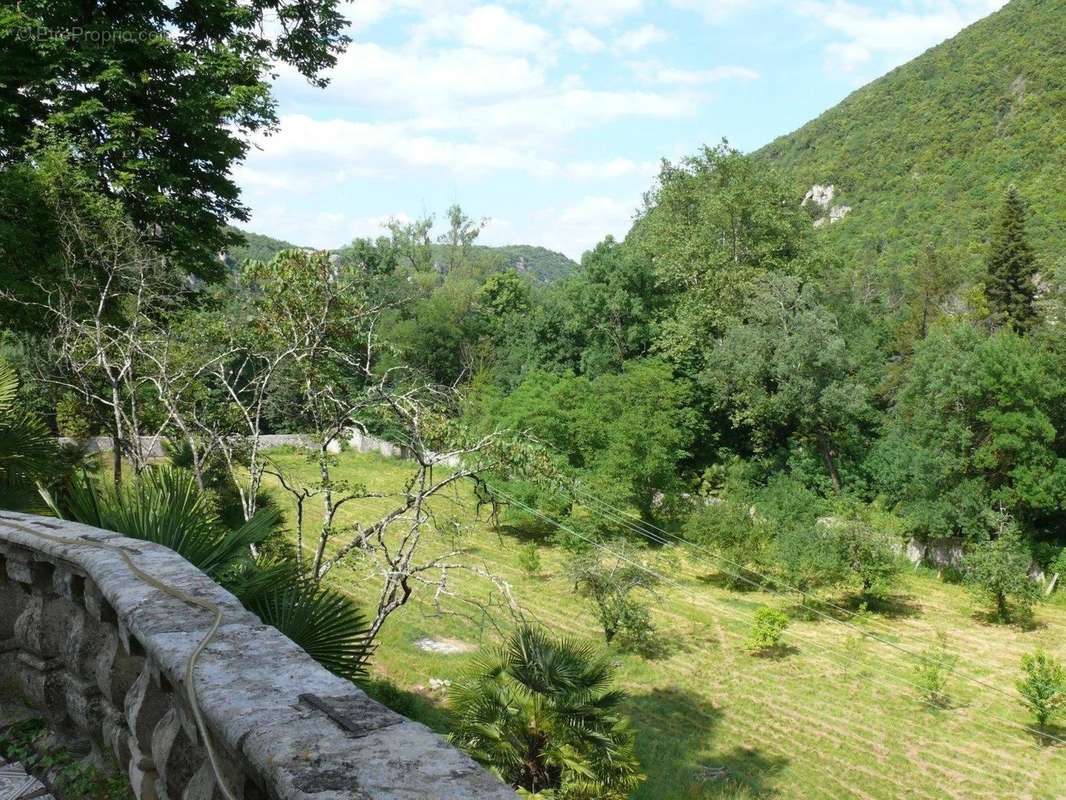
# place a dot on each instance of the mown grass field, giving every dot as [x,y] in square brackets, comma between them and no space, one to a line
[832,718]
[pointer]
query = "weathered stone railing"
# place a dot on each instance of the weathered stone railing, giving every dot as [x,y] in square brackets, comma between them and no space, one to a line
[102,654]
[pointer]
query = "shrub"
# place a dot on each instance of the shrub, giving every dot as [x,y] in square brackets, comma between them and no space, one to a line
[732,532]
[1043,688]
[768,628]
[998,572]
[933,670]
[71,419]
[529,560]
[541,713]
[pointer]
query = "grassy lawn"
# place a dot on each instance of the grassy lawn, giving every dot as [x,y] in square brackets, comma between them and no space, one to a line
[832,718]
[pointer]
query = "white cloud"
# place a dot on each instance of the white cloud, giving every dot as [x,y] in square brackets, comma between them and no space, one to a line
[341,149]
[638,39]
[537,116]
[488,28]
[659,73]
[611,168]
[306,156]
[582,41]
[325,229]
[413,80]
[596,12]
[893,35]
[713,10]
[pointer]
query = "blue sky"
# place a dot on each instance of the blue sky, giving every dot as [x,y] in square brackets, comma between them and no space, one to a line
[550,118]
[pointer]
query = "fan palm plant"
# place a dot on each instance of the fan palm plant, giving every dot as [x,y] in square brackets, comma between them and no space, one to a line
[27,449]
[323,621]
[164,505]
[542,715]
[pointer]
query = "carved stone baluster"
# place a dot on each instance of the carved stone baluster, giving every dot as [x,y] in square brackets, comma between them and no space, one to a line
[115,672]
[146,705]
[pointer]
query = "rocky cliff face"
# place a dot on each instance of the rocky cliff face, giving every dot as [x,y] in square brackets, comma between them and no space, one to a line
[820,200]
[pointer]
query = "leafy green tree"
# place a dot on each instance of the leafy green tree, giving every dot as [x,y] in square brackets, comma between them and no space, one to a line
[158,98]
[541,714]
[742,540]
[923,290]
[868,556]
[767,629]
[504,294]
[998,571]
[973,428]
[615,298]
[1043,689]
[786,367]
[29,244]
[624,434]
[459,238]
[612,585]
[1009,287]
[717,223]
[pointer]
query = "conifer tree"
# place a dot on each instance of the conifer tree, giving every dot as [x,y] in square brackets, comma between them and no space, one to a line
[1011,266]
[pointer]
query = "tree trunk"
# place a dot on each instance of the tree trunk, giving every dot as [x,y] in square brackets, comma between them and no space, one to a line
[825,449]
[116,436]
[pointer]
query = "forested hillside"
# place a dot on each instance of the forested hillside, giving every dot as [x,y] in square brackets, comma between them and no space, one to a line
[539,263]
[255,246]
[923,154]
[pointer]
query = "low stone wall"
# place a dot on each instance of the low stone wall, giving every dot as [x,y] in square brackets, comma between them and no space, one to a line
[102,654]
[152,446]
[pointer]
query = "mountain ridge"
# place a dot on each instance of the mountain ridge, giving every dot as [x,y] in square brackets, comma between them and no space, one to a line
[924,153]
[542,263]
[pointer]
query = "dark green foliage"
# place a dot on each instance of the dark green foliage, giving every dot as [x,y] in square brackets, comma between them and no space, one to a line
[28,452]
[541,713]
[29,244]
[165,506]
[71,776]
[998,572]
[254,247]
[323,621]
[1043,689]
[973,429]
[925,153]
[158,98]
[784,367]
[1009,286]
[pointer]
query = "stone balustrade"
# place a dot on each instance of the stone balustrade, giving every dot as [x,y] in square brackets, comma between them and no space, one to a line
[102,655]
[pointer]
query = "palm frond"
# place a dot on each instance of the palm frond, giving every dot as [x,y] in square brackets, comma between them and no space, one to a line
[9,386]
[324,622]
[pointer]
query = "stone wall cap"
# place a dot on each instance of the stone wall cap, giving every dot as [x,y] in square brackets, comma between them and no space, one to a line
[256,688]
